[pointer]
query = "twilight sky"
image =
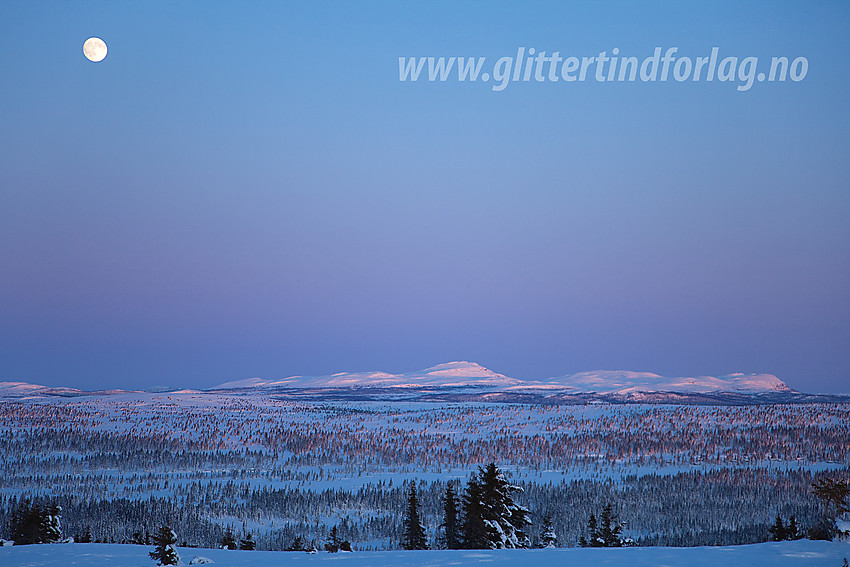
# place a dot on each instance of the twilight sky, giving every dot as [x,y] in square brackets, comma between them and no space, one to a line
[247,189]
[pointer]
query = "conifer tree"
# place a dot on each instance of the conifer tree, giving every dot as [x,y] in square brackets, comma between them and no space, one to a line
[450,536]
[778,530]
[247,543]
[26,522]
[165,552]
[475,531]
[593,539]
[833,493]
[51,526]
[333,544]
[491,518]
[793,531]
[610,531]
[414,534]
[228,540]
[36,523]
[506,519]
[547,533]
[297,545]
[86,537]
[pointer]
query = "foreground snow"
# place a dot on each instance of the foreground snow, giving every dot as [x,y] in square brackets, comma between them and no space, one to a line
[784,554]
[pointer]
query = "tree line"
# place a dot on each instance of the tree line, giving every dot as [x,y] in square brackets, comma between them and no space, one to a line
[486,515]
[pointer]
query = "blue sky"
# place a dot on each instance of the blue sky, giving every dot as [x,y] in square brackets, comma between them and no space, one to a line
[247,189]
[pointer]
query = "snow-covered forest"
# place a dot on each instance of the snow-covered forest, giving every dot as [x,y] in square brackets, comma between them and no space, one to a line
[122,466]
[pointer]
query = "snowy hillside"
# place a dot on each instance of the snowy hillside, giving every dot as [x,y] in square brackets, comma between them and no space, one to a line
[801,553]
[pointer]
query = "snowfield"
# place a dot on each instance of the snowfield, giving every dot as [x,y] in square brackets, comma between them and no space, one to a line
[785,554]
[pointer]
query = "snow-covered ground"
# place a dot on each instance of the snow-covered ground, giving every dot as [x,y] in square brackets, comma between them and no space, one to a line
[785,554]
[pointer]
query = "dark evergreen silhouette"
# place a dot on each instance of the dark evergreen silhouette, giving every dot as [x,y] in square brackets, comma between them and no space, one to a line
[297,544]
[334,542]
[36,523]
[413,535]
[592,539]
[26,524]
[547,537]
[792,531]
[833,495]
[85,538]
[228,540]
[450,535]
[51,527]
[247,543]
[778,532]
[475,531]
[506,519]
[491,518]
[610,530]
[606,533]
[165,553]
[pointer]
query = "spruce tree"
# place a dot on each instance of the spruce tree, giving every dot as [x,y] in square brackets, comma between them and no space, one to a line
[414,534]
[165,553]
[297,545]
[228,540]
[27,523]
[86,537]
[51,527]
[793,531]
[475,531]
[247,543]
[333,544]
[450,536]
[506,519]
[547,533]
[36,523]
[594,538]
[778,530]
[833,493]
[610,531]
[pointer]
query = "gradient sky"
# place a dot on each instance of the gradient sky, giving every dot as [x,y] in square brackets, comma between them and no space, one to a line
[246,189]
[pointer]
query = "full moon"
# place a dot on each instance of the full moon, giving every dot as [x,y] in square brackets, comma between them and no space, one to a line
[94,49]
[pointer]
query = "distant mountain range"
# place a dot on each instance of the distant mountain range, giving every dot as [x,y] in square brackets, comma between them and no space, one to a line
[468,381]
[27,390]
[448,375]
[469,374]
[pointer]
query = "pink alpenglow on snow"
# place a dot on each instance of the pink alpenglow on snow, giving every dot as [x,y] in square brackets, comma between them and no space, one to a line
[471,374]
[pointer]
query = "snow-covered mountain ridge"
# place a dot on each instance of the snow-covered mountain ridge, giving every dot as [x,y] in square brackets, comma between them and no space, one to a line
[450,374]
[470,374]
[465,378]
[25,390]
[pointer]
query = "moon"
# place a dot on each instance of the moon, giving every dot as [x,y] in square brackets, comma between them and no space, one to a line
[94,49]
